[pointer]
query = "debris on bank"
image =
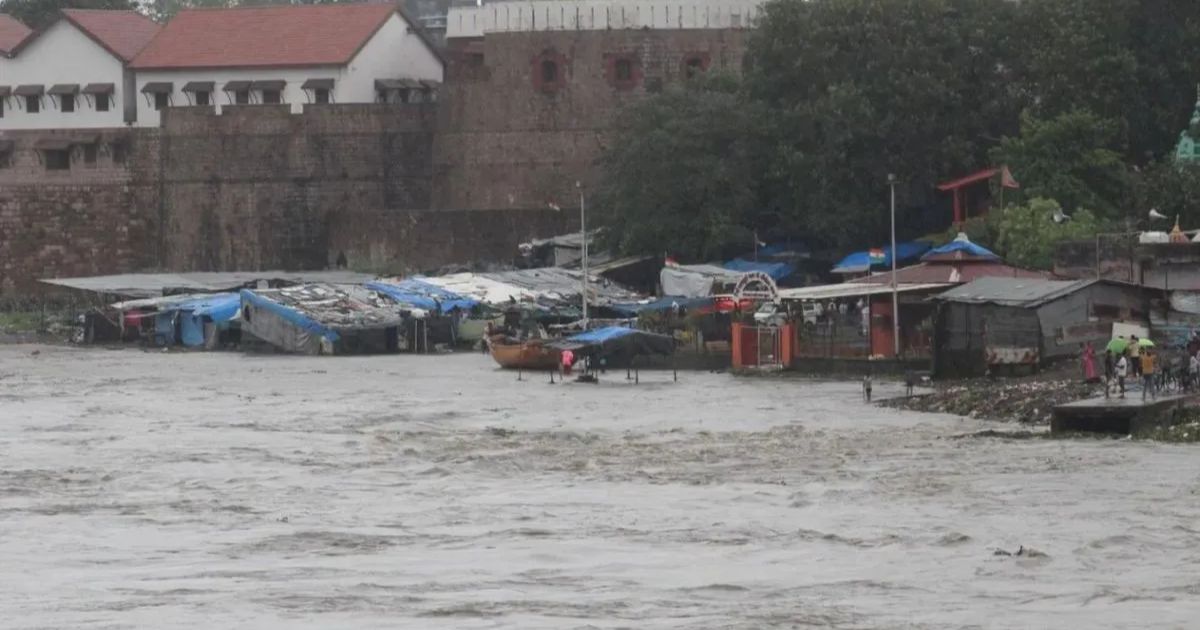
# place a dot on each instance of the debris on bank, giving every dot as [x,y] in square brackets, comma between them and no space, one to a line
[1185,430]
[1029,400]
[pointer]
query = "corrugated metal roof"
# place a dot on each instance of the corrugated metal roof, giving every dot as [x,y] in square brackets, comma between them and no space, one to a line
[1020,292]
[851,289]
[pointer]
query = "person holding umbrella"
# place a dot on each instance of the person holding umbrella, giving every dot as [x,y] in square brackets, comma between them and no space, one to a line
[1112,352]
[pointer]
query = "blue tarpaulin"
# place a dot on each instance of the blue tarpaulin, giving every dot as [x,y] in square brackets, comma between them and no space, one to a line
[961,246]
[601,335]
[219,308]
[776,270]
[422,295]
[860,262]
[616,340]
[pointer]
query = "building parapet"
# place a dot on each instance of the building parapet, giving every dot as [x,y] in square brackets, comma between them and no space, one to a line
[554,15]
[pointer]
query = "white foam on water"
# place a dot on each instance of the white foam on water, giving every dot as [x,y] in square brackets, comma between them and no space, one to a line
[173,490]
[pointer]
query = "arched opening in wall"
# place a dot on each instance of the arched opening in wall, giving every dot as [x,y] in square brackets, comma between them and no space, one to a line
[549,71]
[623,70]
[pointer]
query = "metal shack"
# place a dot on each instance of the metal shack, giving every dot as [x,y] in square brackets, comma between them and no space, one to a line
[1018,324]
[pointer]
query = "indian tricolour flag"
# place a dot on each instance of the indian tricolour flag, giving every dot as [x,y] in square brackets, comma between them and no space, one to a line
[876,256]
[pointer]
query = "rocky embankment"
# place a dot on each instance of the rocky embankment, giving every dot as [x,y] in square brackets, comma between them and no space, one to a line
[1030,400]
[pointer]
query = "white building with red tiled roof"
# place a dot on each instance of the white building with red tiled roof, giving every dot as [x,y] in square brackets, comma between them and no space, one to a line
[74,73]
[285,55]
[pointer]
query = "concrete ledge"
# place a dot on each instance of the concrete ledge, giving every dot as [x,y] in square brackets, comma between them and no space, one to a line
[1122,416]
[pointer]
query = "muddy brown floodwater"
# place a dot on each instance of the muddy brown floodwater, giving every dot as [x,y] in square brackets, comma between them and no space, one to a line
[168,490]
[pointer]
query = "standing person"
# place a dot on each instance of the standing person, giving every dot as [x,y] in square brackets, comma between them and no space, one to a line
[1148,374]
[568,360]
[1108,371]
[1193,376]
[1135,355]
[1089,363]
[1122,369]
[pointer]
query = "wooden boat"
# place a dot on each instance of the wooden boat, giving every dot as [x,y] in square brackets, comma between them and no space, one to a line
[529,355]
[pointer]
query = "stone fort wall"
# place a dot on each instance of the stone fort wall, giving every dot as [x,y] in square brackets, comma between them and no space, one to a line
[507,139]
[391,188]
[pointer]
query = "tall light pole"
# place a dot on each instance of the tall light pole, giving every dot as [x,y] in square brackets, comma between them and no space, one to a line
[895,291]
[583,250]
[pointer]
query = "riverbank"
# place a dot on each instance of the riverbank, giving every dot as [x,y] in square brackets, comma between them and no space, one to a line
[1029,400]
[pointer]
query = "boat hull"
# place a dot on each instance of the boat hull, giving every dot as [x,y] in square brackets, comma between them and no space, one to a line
[531,355]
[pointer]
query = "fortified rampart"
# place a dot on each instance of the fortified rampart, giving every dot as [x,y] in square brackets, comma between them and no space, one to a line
[509,137]
[384,187]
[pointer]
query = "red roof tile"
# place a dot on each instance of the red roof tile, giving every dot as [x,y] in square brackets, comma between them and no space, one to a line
[261,37]
[12,33]
[122,33]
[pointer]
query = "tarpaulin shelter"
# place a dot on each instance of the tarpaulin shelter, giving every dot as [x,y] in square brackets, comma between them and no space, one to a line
[545,285]
[323,319]
[148,285]
[777,270]
[182,318]
[615,341]
[860,262]
[422,294]
[959,249]
[697,280]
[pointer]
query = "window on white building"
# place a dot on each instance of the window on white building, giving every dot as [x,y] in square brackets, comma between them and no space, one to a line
[271,91]
[30,97]
[158,94]
[241,97]
[320,91]
[99,95]
[66,103]
[202,97]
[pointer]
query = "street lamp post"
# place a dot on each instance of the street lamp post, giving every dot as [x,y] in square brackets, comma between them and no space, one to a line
[895,291]
[583,250]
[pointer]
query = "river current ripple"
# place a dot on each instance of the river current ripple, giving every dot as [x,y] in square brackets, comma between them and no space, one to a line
[172,490]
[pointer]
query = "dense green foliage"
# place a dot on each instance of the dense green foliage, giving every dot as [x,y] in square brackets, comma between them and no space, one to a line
[705,128]
[1081,98]
[1025,235]
[41,13]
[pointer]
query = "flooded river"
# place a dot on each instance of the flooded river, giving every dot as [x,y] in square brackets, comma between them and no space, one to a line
[145,489]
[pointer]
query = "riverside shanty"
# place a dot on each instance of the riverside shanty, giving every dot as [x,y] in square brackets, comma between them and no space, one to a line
[344,314]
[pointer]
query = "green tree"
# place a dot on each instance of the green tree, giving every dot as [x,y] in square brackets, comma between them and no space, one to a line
[41,13]
[1128,61]
[681,175]
[1069,158]
[1026,235]
[1171,188]
[861,89]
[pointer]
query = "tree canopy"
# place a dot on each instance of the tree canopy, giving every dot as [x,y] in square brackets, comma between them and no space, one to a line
[41,13]
[1026,234]
[1080,98]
